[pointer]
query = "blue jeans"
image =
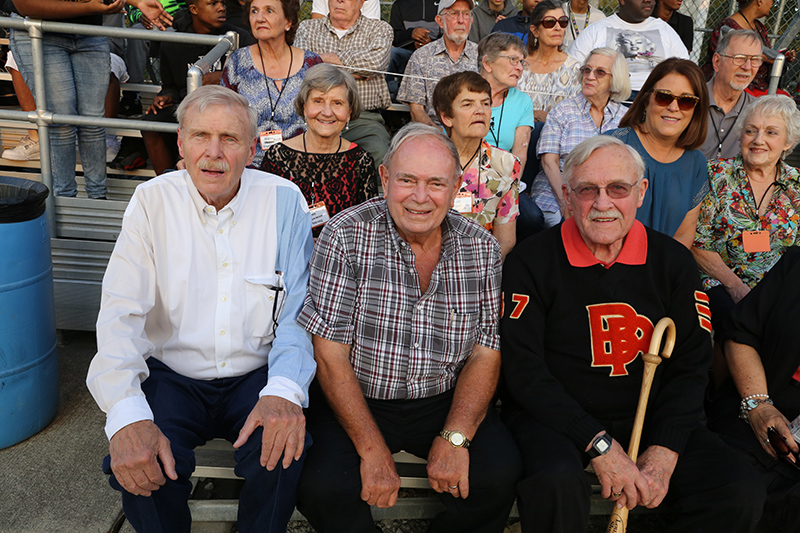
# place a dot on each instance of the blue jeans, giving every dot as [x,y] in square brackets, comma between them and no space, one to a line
[76,71]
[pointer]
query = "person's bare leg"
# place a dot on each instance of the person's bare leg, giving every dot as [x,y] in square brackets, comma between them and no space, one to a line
[24,97]
[112,97]
[158,152]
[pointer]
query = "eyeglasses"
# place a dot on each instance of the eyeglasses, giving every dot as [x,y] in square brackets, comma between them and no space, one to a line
[549,22]
[665,99]
[598,72]
[455,15]
[741,59]
[616,190]
[781,447]
[514,61]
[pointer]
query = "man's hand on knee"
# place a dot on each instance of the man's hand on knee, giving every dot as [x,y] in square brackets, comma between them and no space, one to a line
[379,480]
[135,451]
[448,468]
[620,479]
[284,430]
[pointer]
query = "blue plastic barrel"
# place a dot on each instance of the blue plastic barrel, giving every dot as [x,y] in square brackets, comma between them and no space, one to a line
[28,357]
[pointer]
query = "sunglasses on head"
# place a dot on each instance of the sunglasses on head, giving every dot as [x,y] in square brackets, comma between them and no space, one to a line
[781,447]
[549,22]
[665,98]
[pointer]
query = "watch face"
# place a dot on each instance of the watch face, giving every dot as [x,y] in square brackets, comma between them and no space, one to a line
[457,439]
[602,446]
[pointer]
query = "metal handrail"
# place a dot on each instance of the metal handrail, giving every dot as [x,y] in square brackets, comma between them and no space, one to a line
[44,118]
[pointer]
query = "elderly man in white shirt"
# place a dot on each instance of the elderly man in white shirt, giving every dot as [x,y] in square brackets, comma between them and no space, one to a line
[197,334]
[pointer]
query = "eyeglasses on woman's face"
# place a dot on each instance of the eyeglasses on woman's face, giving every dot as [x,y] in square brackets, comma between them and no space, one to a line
[598,72]
[515,61]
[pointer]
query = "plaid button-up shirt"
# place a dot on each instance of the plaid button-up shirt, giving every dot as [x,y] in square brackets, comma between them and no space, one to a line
[433,61]
[367,44]
[364,291]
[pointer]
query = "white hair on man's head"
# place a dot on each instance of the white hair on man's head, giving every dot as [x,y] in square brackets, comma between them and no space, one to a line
[413,130]
[211,95]
[581,153]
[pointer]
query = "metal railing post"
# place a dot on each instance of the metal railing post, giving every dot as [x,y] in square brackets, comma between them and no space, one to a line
[775,73]
[34,29]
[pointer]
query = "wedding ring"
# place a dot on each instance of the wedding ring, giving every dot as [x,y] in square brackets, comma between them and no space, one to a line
[617,494]
[452,488]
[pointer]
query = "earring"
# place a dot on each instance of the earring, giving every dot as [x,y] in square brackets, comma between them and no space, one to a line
[644,115]
[347,126]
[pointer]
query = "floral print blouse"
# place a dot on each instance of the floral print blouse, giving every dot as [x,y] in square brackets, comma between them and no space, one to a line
[729,209]
[493,180]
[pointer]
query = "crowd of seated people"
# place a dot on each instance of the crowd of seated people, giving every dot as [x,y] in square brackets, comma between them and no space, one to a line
[563,95]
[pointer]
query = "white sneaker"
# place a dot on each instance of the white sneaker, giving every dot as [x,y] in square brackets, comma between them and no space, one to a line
[26,150]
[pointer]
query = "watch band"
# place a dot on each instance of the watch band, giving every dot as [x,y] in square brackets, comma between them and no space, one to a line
[455,438]
[600,446]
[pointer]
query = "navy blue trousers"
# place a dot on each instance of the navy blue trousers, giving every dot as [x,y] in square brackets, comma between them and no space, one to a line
[191,412]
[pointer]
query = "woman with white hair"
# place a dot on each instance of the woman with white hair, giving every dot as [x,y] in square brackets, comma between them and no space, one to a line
[332,172]
[604,84]
[752,211]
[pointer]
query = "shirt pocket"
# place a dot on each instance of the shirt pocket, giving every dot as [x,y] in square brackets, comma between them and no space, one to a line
[453,342]
[264,300]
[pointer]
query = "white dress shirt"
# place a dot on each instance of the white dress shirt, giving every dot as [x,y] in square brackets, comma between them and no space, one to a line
[197,289]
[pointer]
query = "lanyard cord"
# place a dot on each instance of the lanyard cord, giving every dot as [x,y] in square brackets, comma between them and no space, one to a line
[272,107]
[774,182]
[314,183]
[495,136]
[574,28]
[716,128]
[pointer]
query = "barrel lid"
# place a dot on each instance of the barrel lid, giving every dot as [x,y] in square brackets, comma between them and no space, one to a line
[21,200]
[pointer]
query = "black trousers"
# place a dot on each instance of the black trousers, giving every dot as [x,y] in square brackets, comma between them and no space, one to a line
[711,490]
[329,492]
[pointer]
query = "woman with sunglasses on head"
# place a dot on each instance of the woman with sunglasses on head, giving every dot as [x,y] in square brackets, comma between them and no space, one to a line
[551,75]
[666,124]
[596,109]
[750,216]
[746,18]
[761,350]
[501,60]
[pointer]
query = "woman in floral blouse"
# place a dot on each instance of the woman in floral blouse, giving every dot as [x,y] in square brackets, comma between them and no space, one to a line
[752,212]
[490,189]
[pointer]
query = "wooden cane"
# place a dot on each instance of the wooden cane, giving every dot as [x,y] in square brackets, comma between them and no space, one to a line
[618,523]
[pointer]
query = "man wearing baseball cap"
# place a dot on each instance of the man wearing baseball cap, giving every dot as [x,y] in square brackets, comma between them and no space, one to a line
[451,54]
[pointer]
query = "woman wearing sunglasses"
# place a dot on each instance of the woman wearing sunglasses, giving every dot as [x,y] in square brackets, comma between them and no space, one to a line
[595,109]
[551,75]
[666,124]
[761,349]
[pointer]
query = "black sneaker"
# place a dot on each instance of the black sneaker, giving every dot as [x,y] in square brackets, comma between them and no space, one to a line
[130,161]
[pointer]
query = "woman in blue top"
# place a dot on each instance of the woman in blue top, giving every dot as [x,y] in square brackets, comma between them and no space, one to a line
[501,59]
[666,124]
[270,72]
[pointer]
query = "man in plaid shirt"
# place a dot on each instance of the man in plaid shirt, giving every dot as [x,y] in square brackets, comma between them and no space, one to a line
[362,47]
[404,303]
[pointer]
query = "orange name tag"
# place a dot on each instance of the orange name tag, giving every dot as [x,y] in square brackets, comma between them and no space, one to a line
[319,214]
[755,241]
[270,137]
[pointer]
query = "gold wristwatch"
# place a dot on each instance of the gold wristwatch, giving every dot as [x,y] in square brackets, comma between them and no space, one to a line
[455,438]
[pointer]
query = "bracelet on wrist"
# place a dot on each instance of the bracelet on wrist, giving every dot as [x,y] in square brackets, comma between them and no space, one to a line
[749,403]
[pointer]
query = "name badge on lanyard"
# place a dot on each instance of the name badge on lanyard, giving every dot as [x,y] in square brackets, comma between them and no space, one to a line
[463,202]
[755,241]
[270,137]
[319,214]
